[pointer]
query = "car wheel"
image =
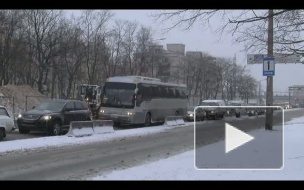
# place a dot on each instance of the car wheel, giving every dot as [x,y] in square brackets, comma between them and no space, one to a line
[23,131]
[2,134]
[238,115]
[147,120]
[117,124]
[55,129]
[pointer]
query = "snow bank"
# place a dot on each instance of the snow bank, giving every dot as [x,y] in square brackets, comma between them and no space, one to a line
[181,167]
[45,142]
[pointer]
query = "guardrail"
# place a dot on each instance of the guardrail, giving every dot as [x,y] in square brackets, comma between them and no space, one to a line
[174,120]
[88,128]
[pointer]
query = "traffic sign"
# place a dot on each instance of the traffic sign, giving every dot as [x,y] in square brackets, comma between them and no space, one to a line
[255,58]
[268,67]
[279,57]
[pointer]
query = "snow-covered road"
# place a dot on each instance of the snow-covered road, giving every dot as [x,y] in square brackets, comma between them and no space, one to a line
[181,167]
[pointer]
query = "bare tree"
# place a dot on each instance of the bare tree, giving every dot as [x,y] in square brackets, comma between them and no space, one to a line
[10,23]
[129,45]
[143,39]
[246,26]
[116,46]
[41,27]
[72,53]
[93,23]
[247,87]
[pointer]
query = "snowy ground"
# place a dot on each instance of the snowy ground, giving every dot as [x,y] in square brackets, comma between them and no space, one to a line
[59,141]
[181,167]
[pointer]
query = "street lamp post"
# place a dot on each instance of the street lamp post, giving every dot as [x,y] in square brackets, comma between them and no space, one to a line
[289,97]
[260,90]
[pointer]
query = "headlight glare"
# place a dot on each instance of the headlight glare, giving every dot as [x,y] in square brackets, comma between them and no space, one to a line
[130,113]
[20,115]
[47,117]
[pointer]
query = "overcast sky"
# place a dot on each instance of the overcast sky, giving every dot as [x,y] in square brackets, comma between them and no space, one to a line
[197,39]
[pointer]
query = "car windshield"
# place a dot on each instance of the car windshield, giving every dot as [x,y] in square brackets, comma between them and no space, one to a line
[3,112]
[209,104]
[52,106]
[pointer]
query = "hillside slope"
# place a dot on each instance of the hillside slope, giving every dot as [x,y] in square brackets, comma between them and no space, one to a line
[19,93]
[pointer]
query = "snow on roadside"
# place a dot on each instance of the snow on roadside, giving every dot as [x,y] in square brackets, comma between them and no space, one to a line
[181,167]
[58,141]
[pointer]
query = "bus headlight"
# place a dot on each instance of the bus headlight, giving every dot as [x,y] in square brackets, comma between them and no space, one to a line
[130,113]
[191,115]
[101,111]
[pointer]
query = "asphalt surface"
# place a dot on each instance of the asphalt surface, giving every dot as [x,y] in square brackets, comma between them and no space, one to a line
[87,160]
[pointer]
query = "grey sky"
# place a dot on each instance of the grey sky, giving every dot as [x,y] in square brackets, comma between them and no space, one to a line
[197,39]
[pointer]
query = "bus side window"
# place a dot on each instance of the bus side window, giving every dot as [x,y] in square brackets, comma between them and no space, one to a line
[171,92]
[156,92]
[164,92]
[177,93]
[183,93]
[139,98]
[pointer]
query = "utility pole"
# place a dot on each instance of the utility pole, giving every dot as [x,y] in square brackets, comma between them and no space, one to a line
[269,94]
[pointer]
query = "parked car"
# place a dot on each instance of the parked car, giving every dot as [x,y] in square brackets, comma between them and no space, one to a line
[53,116]
[6,123]
[199,114]
[214,112]
[237,111]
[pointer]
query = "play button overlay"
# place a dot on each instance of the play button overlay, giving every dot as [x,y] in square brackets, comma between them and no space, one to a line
[239,142]
[235,138]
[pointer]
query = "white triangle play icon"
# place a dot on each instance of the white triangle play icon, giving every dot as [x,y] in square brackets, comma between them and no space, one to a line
[235,138]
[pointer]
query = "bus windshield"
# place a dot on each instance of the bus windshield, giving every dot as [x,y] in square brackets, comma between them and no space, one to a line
[119,95]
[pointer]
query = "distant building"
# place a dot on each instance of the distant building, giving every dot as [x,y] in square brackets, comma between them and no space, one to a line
[194,54]
[176,49]
[297,95]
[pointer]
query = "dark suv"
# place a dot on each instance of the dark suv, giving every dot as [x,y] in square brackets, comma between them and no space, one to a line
[53,116]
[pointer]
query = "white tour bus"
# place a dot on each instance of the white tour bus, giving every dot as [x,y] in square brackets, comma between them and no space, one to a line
[141,100]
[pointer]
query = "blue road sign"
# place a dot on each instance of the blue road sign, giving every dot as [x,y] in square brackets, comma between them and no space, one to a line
[268,67]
